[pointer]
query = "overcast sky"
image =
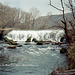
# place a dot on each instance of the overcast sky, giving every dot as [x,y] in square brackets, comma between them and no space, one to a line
[41,5]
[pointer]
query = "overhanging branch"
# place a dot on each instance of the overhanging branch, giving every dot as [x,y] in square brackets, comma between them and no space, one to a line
[55,6]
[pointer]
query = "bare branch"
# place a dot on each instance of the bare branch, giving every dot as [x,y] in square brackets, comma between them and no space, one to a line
[71,5]
[55,6]
[57,27]
[67,6]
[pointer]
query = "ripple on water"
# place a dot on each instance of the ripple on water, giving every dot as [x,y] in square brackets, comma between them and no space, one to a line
[35,59]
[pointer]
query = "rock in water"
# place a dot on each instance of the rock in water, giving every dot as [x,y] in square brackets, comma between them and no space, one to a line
[63,50]
[12,46]
[39,43]
[19,45]
[1,48]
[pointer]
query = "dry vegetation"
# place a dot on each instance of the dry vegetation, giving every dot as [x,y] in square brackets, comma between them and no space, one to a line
[70,35]
[16,18]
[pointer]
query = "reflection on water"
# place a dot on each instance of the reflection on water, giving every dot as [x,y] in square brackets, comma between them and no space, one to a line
[30,60]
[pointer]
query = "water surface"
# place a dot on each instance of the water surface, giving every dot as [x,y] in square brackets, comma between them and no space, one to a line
[31,59]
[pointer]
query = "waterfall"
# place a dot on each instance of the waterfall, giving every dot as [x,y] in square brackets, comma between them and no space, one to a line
[45,35]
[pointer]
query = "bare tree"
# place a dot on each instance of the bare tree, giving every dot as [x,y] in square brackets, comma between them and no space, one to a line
[26,19]
[64,21]
[7,16]
[34,15]
[71,7]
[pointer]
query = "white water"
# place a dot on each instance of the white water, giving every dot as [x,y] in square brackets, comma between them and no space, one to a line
[45,35]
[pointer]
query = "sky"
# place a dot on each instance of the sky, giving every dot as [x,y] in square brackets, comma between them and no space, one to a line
[42,5]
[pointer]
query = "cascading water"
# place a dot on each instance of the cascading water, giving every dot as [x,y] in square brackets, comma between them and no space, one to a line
[45,35]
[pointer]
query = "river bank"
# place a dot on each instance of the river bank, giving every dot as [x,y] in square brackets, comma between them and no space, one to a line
[70,69]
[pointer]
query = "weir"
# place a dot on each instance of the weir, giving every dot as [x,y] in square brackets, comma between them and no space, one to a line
[44,35]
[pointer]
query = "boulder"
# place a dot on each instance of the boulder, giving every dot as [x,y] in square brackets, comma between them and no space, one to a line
[10,41]
[12,46]
[63,51]
[28,40]
[1,48]
[57,43]
[19,45]
[39,43]
[34,40]
[13,43]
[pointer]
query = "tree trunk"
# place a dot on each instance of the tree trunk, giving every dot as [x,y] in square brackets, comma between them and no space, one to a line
[1,34]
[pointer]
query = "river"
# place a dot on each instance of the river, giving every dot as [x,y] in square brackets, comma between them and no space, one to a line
[32,59]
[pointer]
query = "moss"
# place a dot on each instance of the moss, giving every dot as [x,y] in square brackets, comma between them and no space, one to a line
[10,41]
[29,39]
[13,43]
[6,39]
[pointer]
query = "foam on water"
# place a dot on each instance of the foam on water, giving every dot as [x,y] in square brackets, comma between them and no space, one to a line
[45,35]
